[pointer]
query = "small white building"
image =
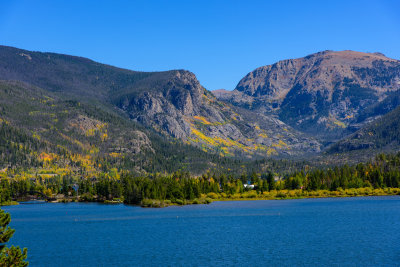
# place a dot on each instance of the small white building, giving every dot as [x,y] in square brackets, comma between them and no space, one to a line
[250,186]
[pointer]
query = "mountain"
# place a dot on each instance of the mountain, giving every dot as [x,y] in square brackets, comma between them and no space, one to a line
[38,126]
[42,132]
[173,103]
[383,134]
[78,114]
[221,94]
[327,95]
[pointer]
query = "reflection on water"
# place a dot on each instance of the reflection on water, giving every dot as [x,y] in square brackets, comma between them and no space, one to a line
[32,202]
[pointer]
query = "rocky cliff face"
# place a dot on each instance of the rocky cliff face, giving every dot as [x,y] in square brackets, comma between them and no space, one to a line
[164,103]
[177,105]
[321,94]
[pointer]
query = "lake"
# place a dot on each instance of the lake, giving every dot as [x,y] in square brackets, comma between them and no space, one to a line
[363,231]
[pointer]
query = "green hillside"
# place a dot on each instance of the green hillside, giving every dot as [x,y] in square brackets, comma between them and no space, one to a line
[381,134]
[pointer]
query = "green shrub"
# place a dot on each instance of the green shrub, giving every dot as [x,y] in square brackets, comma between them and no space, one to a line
[208,200]
[281,194]
[87,197]
[212,195]
[395,191]
[252,194]
[180,202]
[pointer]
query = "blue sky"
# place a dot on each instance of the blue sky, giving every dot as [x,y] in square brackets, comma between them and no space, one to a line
[220,41]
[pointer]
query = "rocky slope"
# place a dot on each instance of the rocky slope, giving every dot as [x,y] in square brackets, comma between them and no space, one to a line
[323,94]
[180,107]
[171,102]
[40,127]
[382,134]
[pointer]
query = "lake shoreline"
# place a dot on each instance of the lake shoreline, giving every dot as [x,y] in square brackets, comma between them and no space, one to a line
[211,200]
[9,203]
[245,196]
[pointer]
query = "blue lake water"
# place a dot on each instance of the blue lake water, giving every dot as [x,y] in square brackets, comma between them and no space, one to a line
[361,231]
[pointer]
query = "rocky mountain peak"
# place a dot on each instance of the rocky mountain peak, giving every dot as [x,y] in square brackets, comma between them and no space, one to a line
[319,71]
[327,89]
[184,91]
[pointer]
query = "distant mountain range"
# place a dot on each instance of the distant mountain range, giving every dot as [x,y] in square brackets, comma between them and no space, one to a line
[293,108]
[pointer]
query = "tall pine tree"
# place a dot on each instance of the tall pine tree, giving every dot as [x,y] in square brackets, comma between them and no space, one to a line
[12,256]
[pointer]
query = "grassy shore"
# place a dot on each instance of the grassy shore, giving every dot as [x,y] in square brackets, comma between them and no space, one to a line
[247,195]
[273,195]
[9,203]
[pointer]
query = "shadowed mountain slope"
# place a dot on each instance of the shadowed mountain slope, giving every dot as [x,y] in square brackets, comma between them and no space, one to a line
[383,134]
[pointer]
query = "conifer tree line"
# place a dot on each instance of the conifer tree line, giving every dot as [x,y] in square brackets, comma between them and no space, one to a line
[384,172]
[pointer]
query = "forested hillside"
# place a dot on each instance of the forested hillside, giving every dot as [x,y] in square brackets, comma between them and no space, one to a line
[382,134]
[39,127]
[172,103]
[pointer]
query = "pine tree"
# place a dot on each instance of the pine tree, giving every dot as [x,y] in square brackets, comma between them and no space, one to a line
[12,256]
[271,181]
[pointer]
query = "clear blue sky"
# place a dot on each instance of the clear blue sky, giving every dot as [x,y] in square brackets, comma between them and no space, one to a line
[220,41]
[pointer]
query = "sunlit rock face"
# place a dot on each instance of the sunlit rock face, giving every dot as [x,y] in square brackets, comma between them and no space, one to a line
[322,94]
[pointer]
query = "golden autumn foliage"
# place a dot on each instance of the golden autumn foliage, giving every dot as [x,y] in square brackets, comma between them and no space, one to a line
[202,119]
[47,157]
[226,144]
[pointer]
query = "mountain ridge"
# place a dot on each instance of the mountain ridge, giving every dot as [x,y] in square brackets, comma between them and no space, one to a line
[293,108]
[320,94]
[173,103]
